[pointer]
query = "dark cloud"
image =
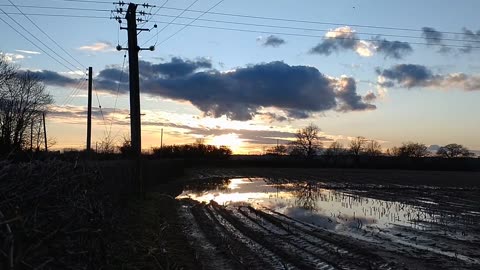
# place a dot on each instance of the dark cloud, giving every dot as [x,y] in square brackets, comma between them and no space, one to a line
[393,49]
[409,76]
[349,99]
[432,36]
[435,38]
[273,41]
[241,94]
[54,78]
[177,67]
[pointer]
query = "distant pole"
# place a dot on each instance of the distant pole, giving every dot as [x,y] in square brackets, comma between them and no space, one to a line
[89,111]
[45,132]
[161,139]
[31,136]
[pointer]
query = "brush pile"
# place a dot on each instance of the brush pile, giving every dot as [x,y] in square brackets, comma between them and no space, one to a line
[52,216]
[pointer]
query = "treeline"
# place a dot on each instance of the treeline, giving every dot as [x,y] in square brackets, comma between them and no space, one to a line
[308,144]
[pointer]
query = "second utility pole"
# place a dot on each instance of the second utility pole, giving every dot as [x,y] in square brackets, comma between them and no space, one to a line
[89,111]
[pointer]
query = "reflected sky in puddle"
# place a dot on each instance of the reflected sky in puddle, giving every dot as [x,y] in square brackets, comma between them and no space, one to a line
[307,202]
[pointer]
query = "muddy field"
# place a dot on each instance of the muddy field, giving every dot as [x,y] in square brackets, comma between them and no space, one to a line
[331,219]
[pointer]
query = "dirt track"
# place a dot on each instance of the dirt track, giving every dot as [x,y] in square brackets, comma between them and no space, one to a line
[238,236]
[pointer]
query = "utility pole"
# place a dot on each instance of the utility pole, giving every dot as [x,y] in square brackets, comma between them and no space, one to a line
[161,139]
[133,50]
[89,111]
[45,132]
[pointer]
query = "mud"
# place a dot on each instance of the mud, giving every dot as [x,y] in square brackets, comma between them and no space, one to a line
[312,223]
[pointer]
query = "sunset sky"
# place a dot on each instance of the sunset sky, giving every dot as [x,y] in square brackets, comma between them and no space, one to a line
[249,73]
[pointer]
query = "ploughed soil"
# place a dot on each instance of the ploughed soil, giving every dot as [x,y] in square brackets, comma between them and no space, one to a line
[198,235]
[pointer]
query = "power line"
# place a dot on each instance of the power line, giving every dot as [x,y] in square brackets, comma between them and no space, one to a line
[74,91]
[313,22]
[318,30]
[29,40]
[57,8]
[274,18]
[183,11]
[85,1]
[117,93]
[47,35]
[282,27]
[251,30]
[179,30]
[307,35]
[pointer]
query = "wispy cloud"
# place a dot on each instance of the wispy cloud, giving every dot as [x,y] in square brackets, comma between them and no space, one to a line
[98,47]
[27,52]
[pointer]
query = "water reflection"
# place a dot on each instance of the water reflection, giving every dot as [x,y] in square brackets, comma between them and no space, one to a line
[307,202]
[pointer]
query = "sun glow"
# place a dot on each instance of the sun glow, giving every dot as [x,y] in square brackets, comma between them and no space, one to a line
[231,140]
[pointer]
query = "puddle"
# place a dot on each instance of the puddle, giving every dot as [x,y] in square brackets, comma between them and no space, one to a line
[330,209]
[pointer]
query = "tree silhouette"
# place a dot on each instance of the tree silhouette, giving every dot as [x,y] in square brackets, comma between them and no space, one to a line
[454,150]
[410,149]
[357,145]
[307,142]
[23,99]
[373,148]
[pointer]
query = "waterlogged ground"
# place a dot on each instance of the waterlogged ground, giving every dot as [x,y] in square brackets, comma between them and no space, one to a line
[282,223]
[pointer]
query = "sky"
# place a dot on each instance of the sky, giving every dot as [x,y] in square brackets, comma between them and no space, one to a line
[248,74]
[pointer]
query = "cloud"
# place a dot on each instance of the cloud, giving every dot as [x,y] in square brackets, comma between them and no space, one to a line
[177,67]
[28,52]
[12,57]
[345,38]
[393,49]
[240,94]
[54,78]
[370,97]
[470,35]
[410,75]
[98,47]
[432,36]
[273,41]
[346,92]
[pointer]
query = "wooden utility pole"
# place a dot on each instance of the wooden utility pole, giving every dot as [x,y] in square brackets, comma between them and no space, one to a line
[161,139]
[89,111]
[133,49]
[45,132]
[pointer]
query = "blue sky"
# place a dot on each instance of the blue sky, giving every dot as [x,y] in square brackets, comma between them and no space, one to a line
[436,109]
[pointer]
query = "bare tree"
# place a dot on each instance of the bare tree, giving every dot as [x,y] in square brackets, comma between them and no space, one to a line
[23,99]
[411,149]
[307,141]
[107,145]
[335,149]
[278,150]
[7,70]
[373,148]
[454,150]
[357,145]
